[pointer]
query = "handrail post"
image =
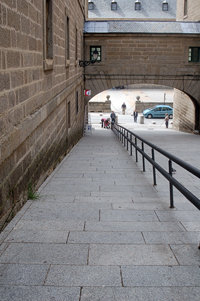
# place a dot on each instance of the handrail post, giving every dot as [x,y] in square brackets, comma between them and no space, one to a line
[154,170]
[127,140]
[124,138]
[143,160]
[136,154]
[131,146]
[171,186]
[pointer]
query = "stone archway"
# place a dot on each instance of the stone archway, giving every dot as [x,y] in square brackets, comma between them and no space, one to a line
[186,107]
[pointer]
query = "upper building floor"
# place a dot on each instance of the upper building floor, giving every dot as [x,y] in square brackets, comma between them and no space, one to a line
[132,9]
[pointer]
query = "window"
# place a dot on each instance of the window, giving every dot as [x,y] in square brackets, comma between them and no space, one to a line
[137,5]
[77,107]
[113,5]
[48,35]
[165,5]
[76,44]
[68,115]
[95,48]
[194,54]
[67,52]
[185,7]
[90,5]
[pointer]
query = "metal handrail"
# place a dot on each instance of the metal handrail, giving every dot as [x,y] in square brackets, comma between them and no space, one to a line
[126,137]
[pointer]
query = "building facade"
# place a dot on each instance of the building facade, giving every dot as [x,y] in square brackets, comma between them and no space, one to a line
[186,109]
[148,48]
[41,92]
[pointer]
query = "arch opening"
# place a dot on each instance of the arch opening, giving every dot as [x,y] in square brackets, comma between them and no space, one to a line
[142,96]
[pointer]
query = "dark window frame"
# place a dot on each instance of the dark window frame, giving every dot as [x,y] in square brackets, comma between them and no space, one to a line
[77,102]
[67,37]
[185,7]
[48,34]
[69,115]
[99,49]
[194,55]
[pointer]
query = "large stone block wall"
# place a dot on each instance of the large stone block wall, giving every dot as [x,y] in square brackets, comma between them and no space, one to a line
[34,131]
[184,112]
[193,11]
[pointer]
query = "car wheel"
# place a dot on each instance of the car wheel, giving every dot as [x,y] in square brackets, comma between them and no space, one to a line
[149,116]
[170,116]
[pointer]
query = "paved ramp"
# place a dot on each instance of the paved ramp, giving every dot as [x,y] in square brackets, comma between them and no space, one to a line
[101,232]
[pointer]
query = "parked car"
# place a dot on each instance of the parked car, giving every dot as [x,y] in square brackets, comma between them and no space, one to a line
[158,111]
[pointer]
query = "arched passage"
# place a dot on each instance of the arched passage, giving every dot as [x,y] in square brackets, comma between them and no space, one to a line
[186,108]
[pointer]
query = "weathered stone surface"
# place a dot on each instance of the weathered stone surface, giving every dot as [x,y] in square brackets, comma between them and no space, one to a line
[181,252]
[133,226]
[161,276]
[22,274]
[37,236]
[45,253]
[131,255]
[171,237]
[128,215]
[35,293]
[84,276]
[141,294]
[50,225]
[106,237]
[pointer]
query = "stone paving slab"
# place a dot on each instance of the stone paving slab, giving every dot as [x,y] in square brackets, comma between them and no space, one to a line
[45,236]
[140,294]
[69,206]
[128,215]
[39,293]
[171,237]
[166,276]
[106,237]
[83,276]
[182,251]
[62,214]
[50,225]
[131,255]
[133,226]
[22,274]
[55,197]
[45,254]
[192,226]
[182,216]
[114,193]
[109,199]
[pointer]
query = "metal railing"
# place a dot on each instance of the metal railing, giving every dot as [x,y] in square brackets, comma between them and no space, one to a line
[130,140]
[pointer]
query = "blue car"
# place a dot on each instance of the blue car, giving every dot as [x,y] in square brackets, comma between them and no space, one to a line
[158,112]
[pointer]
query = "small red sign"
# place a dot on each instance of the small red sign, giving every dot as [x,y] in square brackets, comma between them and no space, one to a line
[87,92]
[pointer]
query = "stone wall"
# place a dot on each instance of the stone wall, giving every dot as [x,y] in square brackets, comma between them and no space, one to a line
[34,94]
[141,106]
[97,106]
[184,112]
[193,10]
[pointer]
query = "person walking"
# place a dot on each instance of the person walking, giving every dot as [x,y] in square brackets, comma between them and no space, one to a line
[123,108]
[166,120]
[135,115]
[113,118]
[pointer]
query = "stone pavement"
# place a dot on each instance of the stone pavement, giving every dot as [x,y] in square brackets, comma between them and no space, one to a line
[101,232]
